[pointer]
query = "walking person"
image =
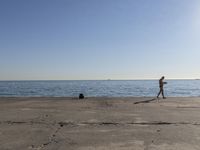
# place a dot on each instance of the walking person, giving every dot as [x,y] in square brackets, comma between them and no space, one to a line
[161,85]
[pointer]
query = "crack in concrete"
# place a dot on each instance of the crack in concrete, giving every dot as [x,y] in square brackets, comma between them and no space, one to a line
[61,124]
[52,139]
[23,122]
[187,107]
[125,123]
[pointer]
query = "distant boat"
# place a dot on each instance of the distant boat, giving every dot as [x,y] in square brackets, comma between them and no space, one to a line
[197,79]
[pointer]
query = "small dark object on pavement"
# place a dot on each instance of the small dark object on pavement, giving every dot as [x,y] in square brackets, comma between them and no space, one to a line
[81,96]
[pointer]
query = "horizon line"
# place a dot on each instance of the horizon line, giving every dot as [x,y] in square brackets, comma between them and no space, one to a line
[98,79]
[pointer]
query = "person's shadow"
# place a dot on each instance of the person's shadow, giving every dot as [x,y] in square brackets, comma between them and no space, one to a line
[146,101]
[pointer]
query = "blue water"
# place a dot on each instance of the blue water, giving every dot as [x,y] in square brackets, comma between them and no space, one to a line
[97,88]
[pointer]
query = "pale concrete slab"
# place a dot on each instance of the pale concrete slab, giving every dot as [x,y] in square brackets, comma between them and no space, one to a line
[99,124]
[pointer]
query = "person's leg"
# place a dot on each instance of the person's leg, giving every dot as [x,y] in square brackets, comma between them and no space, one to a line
[163,94]
[159,93]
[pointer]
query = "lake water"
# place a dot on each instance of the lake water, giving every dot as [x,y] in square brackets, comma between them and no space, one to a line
[99,88]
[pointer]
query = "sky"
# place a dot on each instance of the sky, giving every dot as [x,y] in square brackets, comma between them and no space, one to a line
[99,39]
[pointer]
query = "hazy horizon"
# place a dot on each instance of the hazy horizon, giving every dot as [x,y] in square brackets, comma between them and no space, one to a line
[99,40]
[102,79]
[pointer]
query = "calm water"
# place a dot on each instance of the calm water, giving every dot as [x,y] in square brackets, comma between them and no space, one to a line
[119,88]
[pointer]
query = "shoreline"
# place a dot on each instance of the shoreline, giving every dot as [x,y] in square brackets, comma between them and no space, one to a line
[98,97]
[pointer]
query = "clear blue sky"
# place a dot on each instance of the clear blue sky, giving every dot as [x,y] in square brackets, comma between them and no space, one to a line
[99,39]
